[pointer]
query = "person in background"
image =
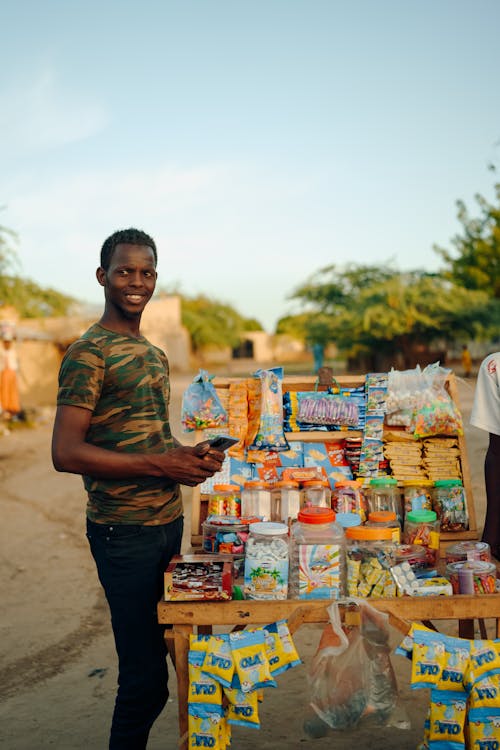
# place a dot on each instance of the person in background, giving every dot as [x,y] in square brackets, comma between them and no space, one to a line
[486,415]
[112,427]
[9,388]
[466,361]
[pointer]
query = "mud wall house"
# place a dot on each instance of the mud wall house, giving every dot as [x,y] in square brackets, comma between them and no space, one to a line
[41,344]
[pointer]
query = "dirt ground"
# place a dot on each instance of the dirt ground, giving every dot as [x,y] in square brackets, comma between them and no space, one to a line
[57,660]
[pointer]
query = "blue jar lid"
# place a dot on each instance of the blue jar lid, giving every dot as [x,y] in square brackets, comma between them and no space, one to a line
[348,519]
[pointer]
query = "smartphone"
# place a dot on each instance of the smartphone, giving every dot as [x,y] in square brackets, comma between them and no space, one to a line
[222,442]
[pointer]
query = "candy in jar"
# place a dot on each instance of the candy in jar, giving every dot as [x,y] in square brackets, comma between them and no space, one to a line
[266,561]
[348,497]
[449,504]
[472,577]
[417,494]
[422,527]
[468,550]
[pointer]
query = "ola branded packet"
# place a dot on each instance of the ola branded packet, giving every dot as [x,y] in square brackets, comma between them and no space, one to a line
[280,648]
[218,662]
[456,664]
[204,725]
[483,728]
[447,720]
[242,709]
[428,658]
[485,693]
[250,660]
[484,659]
[203,688]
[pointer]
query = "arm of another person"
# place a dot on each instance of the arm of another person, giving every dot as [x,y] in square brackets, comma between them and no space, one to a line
[188,465]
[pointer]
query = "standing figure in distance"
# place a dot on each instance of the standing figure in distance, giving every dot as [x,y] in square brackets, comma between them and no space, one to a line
[486,415]
[466,361]
[112,427]
[10,404]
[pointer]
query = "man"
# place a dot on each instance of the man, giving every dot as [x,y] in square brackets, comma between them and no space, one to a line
[486,415]
[112,427]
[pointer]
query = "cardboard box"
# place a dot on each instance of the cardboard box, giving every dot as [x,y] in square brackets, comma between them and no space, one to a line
[199,578]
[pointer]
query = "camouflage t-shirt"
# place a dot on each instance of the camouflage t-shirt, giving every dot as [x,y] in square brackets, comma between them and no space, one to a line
[124,382]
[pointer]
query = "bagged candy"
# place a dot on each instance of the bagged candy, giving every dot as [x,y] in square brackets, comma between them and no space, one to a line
[201,407]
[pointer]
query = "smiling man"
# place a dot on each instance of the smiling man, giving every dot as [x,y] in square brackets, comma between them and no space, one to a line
[112,427]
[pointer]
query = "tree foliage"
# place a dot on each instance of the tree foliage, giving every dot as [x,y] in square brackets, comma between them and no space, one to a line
[29,299]
[476,262]
[365,309]
[215,323]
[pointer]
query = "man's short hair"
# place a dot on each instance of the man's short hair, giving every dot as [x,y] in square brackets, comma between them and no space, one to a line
[125,236]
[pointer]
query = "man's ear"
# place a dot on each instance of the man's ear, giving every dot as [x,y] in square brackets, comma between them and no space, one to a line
[101,276]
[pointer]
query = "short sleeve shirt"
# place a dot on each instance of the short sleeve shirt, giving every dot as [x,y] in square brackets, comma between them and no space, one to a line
[486,407]
[124,382]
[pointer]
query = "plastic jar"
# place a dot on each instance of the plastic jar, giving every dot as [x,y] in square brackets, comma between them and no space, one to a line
[266,561]
[417,494]
[449,504]
[383,494]
[225,500]
[370,555]
[223,535]
[385,519]
[472,577]
[422,527]
[413,554]
[288,501]
[468,550]
[256,500]
[317,555]
[348,497]
[316,492]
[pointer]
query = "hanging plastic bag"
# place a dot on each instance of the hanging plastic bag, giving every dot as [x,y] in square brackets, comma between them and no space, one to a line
[201,408]
[351,675]
[436,413]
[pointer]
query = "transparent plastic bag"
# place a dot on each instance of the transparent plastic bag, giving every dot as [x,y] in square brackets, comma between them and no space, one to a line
[201,407]
[351,676]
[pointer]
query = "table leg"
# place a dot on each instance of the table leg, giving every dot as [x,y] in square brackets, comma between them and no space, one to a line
[181,638]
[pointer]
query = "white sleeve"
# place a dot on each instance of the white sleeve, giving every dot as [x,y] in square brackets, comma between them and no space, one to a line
[486,407]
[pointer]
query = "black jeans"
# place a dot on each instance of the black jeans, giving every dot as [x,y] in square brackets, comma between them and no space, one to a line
[130,563]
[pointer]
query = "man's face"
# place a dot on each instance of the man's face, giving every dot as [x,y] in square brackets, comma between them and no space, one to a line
[130,280]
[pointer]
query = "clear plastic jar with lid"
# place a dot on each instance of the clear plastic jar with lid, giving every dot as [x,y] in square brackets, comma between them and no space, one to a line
[348,497]
[417,494]
[413,554]
[383,494]
[370,555]
[226,536]
[266,561]
[468,550]
[287,504]
[317,555]
[422,527]
[385,519]
[449,504]
[225,500]
[256,500]
[472,577]
[316,492]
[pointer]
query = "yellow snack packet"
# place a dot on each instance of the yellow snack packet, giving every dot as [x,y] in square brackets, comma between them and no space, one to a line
[203,688]
[428,658]
[447,718]
[486,692]
[280,648]
[242,707]
[218,662]
[250,660]
[204,725]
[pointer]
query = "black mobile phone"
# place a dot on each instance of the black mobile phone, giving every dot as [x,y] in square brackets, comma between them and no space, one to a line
[222,442]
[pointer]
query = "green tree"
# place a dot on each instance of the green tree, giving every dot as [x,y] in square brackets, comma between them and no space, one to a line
[476,261]
[29,299]
[215,323]
[369,310]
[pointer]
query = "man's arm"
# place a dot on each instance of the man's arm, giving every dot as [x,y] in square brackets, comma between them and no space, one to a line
[72,453]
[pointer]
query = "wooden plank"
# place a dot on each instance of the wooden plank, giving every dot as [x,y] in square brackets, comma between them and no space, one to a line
[414,608]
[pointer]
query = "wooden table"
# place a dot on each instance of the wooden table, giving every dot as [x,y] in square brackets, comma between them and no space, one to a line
[190,617]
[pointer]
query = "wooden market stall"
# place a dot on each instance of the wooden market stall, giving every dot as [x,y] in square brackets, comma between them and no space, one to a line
[188,617]
[309,383]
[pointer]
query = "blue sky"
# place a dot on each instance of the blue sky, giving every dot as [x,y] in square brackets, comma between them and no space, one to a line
[257,142]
